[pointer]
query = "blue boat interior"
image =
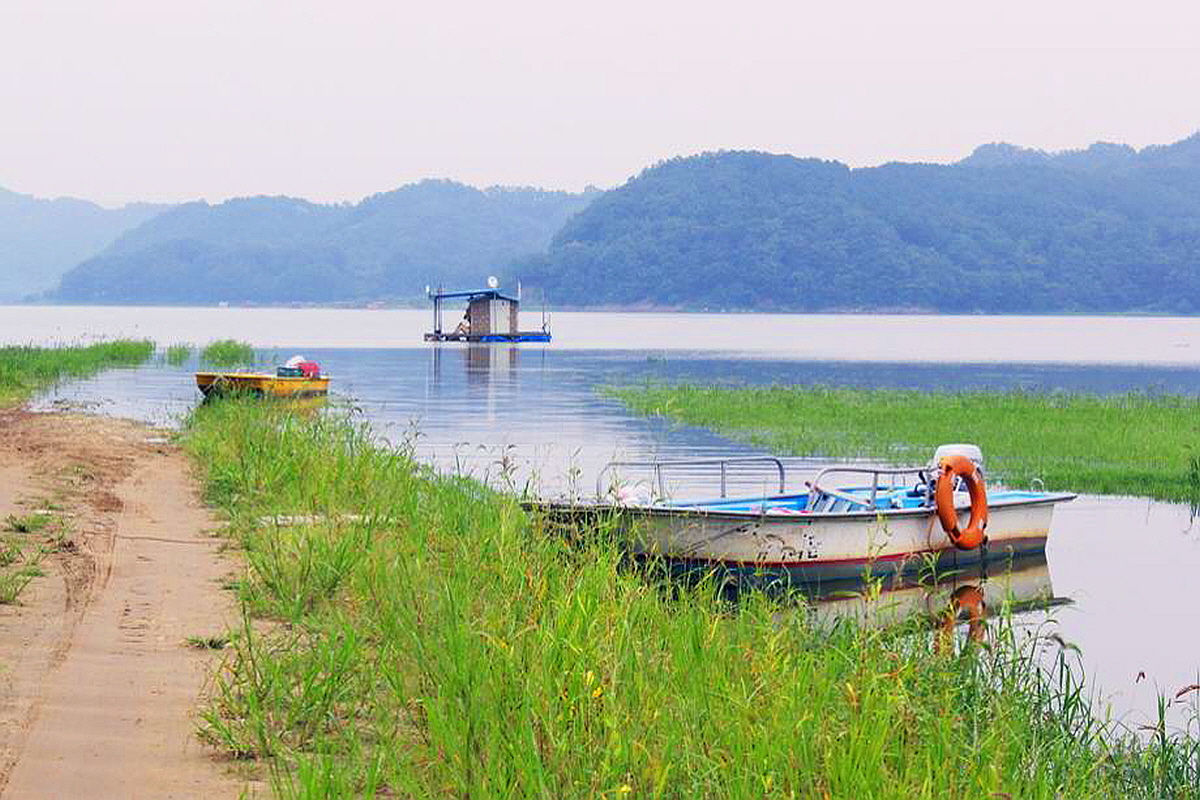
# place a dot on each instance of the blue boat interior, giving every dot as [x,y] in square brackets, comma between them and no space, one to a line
[847,500]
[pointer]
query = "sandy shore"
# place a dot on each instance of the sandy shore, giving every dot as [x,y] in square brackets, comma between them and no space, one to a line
[98,685]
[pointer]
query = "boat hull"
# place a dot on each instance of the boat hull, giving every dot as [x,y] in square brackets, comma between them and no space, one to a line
[263,385]
[805,548]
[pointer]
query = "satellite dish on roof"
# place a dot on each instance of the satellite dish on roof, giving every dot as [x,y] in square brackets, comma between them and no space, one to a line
[493,281]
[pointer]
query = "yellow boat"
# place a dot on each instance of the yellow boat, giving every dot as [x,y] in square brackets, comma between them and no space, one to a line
[262,384]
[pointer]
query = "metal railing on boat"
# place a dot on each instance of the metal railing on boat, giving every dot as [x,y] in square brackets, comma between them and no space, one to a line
[875,473]
[723,463]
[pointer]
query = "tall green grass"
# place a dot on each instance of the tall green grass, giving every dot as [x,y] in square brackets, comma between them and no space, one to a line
[26,369]
[227,353]
[1134,444]
[426,637]
[178,354]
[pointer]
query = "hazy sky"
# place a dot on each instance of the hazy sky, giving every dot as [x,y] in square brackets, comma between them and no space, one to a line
[118,100]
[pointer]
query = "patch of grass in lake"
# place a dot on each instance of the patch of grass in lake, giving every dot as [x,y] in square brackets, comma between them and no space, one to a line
[228,353]
[417,634]
[26,369]
[177,354]
[1132,444]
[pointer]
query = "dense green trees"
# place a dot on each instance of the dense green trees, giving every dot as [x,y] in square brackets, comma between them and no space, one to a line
[278,249]
[1006,230]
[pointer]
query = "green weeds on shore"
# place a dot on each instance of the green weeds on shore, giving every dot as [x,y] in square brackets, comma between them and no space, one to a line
[228,353]
[418,634]
[1133,444]
[25,539]
[24,369]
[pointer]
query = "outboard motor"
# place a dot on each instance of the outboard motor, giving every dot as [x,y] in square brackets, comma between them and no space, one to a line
[970,451]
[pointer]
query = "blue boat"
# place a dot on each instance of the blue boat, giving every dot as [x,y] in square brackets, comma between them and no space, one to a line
[852,519]
[491,317]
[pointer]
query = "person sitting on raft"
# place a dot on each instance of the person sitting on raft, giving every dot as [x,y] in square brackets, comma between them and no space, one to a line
[464,327]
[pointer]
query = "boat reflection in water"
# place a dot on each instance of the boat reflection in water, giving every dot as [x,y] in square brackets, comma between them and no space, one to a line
[480,364]
[966,596]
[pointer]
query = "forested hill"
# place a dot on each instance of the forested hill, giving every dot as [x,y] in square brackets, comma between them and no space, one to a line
[278,249]
[41,239]
[1006,230]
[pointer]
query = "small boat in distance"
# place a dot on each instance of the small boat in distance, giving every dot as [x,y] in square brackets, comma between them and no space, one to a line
[491,317]
[295,379]
[879,521]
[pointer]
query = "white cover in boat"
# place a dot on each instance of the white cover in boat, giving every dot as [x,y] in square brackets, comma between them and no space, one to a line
[295,361]
[971,451]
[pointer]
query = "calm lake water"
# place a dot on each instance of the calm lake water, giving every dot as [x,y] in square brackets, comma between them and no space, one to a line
[533,415]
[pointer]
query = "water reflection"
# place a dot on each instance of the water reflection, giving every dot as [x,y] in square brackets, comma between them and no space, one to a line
[483,361]
[479,362]
[969,595]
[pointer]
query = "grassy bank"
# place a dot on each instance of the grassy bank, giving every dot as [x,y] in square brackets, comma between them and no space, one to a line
[1127,444]
[421,635]
[25,370]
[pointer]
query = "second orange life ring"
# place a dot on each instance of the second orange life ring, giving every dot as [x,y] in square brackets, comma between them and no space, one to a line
[952,467]
[965,598]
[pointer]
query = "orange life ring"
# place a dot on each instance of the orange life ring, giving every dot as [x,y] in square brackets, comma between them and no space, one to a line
[962,467]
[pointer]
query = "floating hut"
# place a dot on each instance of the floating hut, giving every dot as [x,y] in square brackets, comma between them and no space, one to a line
[491,316]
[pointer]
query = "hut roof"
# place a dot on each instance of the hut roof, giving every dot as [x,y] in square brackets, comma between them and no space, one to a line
[494,294]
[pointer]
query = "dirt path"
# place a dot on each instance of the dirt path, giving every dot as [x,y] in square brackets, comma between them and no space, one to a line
[98,686]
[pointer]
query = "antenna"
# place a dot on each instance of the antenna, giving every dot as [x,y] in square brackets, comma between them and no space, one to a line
[493,281]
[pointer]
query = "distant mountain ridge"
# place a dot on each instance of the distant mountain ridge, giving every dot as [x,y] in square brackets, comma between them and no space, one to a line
[1008,229]
[1005,230]
[1104,156]
[280,249]
[40,239]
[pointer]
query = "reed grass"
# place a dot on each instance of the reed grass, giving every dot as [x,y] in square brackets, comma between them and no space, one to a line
[1131,444]
[418,634]
[177,354]
[228,353]
[27,369]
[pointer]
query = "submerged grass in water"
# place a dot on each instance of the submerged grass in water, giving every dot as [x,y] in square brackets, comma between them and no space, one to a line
[177,354]
[24,370]
[1132,444]
[421,635]
[228,353]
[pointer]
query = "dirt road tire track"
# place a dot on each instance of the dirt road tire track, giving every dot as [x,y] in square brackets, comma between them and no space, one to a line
[98,688]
